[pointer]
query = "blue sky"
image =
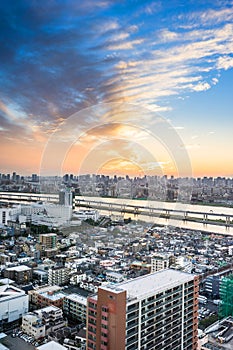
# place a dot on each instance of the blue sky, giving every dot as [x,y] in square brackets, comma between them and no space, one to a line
[70,70]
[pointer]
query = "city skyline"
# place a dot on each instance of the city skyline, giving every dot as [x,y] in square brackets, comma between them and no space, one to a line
[117,87]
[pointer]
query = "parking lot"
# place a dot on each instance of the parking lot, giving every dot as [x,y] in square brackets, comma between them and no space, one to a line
[207,309]
[16,343]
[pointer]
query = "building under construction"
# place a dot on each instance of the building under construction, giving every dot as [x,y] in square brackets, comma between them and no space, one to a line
[226,296]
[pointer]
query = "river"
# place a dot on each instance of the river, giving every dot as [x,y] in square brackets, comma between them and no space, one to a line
[210,210]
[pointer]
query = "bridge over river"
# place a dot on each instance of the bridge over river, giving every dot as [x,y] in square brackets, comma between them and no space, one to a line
[175,212]
[207,217]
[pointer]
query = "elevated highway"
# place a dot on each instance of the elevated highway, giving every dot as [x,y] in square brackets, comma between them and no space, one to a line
[177,214]
[220,218]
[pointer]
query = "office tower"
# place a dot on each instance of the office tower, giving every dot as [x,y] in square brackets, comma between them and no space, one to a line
[155,311]
[35,178]
[14,176]
[66,198]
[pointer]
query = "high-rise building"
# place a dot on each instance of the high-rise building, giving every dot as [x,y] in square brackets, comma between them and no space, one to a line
[155,311]
[35,178]
[66,198]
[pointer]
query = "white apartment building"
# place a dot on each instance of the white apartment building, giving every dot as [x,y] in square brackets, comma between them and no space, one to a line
[52,317]
[58,276]
[115,277]
[161,262]
[9,213]
[77,277]
[32,325]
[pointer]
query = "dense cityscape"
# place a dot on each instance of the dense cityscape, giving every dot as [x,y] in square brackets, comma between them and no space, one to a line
[60,261]
[218,190]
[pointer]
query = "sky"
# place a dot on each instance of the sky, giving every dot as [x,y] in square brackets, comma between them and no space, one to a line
[116,87]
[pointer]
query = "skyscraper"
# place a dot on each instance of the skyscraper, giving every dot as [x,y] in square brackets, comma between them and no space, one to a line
[66,198]
[156,311]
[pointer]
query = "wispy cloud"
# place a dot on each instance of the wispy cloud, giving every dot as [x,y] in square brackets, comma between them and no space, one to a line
[225,62]
[76,55]
[201,86]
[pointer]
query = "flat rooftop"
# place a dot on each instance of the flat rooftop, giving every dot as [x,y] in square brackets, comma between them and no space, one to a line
[52,345]
[19,268]
[49,308]
[77,298]
[152,283]
[55,296]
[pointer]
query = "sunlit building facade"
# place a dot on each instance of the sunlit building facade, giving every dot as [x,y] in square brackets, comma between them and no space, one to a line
[156,311]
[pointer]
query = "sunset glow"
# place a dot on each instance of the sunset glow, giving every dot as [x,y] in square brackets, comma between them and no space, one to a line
[117,87]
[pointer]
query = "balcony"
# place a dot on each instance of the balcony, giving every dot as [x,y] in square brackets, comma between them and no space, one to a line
[132,324]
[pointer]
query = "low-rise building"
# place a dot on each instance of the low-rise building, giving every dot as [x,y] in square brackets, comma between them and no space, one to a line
[58,275]
[52,318]
[115,277]
[32,325]
[77,277]
[52,345]
[49,295]
[161,262]
[13,303]
[20,274]
[140,266]
[86,214]
[42,322]
[40,275]
[75,307]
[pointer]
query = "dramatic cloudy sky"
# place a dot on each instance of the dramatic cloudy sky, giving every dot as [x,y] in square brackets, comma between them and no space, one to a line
[116,86]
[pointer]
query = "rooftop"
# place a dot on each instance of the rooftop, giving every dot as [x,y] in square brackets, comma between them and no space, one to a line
[52,345]
[77,298]
[50,308]
[19,268]
[155,282]
[53,296]
[8,292]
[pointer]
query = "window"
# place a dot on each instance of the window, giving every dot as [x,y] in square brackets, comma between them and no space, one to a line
[104,343]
